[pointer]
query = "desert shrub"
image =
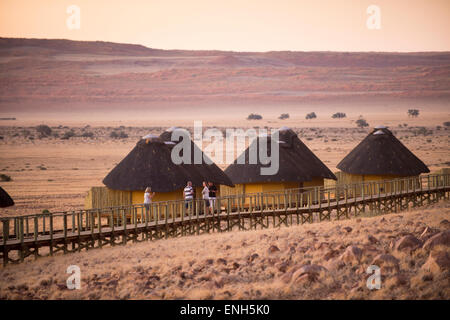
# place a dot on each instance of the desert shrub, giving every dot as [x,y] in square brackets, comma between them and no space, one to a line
[1,138]
[254,116]
[118,135]
[311,115]
[87,134]
[423,131]
[4,177]
[45,211]
[44,130]
[413,113]
[362,123]
[68,134]
[284,116]
[339,115]
[447,124]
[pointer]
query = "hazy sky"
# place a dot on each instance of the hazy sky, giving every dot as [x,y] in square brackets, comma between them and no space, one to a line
[240,25]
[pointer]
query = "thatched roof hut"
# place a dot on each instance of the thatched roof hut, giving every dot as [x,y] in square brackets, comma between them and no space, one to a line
[380,154]
[150,164]
[297,165]
[5,199]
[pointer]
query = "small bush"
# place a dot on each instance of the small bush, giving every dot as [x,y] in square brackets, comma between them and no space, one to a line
[118,135]
[4,177]
[361,123]
[447,124]
[87,134]
[68,134]
[284,116]
[254,116]
[339,115]
[44,130]
[413,113]
[311,115]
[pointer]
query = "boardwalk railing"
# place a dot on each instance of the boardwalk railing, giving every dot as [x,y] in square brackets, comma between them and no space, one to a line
[46,234]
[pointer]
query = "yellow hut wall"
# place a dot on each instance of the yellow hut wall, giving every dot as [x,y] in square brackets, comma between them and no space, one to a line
[347,178]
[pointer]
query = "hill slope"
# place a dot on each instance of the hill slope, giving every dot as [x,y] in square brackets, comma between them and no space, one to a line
[320,261]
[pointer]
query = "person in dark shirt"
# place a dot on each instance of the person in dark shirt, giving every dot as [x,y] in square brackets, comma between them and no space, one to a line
[212,196]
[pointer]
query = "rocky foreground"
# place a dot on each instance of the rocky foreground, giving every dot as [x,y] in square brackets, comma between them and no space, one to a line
[319,261]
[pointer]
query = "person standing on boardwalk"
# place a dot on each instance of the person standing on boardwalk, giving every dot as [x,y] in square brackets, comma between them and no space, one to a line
[205,195]
[212,195]
[148,196]
[188,195]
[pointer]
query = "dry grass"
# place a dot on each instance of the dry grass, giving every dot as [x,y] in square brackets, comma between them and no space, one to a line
[247,265]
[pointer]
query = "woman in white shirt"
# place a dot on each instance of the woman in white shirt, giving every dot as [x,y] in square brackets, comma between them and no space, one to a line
[148,196]
[205,194]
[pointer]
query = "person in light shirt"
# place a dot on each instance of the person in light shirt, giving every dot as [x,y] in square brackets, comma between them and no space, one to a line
[148,196]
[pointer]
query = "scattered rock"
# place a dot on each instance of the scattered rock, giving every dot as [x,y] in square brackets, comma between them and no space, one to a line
[427,233]
[383,220]
[282,266]
[408,242]
[252,257]
[358,220]
[372,239]
[386,262]
[444,224]
[437,262]
[351,254]
[401,279]
[442,238]
[273,249]
[236,265]
[221,261]
[309,272]
[348,229]
[331,254]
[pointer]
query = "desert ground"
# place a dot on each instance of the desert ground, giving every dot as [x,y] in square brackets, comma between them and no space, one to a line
[325,260]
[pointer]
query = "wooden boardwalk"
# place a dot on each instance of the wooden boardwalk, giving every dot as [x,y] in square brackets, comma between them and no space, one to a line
[47,234]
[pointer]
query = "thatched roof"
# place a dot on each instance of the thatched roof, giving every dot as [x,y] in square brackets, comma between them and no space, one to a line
[149,164]
[297,163]
[5,199]
[381,153]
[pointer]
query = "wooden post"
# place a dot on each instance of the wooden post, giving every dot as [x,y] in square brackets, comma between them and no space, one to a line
[51,234]
[167,219]
[65,231]
[5,240]
[124,222]
[36,228]
[99,219]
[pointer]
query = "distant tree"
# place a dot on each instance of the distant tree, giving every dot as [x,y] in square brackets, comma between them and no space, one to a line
[413,113]
[361,123]
[44,130]
[339,115]
[311,115]
[254,116]
[284,116]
